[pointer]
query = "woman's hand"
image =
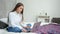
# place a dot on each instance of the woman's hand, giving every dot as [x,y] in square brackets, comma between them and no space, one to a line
[22,24]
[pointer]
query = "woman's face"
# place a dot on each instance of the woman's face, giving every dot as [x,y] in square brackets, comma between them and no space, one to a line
[19,9]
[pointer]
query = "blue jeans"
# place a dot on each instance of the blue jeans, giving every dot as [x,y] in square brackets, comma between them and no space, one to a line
[14,29]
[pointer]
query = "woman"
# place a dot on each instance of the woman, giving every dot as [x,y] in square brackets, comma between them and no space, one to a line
[15,18]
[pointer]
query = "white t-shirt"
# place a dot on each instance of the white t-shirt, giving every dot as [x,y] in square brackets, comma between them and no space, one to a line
[15,19]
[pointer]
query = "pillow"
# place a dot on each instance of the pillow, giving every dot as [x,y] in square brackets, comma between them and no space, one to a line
[4,20]
[3,25]
[56,20]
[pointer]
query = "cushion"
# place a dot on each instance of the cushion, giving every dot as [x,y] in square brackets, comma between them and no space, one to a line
[3,25]
[4,20]
[56,20]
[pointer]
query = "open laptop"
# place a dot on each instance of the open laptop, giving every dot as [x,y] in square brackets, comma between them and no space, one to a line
[36,26]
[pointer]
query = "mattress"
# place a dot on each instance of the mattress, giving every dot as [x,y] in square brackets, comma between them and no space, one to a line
[3,31]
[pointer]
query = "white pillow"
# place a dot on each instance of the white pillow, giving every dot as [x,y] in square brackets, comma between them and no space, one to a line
[4,20]
[44,23]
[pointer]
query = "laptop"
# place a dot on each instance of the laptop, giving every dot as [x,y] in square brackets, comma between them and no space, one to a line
[36,26]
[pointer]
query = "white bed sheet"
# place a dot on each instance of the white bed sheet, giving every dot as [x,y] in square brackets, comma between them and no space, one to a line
[3,31]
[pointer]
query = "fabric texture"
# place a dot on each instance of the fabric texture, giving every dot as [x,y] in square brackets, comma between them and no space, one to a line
[3,25]
[15,29]
[49,29]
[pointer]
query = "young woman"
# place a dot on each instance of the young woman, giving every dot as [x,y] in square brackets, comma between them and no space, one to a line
[15,18]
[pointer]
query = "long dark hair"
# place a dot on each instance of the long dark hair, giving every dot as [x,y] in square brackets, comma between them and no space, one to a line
[18,5]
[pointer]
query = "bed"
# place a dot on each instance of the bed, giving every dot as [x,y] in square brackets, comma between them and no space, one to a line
[51,28]
[4,31]
[44,29]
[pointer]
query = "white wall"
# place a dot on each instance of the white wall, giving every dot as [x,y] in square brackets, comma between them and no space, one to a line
[2,8]
[6,6]
[33,8]
[10,4]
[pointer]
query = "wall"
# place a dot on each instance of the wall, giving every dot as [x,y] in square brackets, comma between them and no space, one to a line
[33,8]
[2,8]
[10,4]
[6,6]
